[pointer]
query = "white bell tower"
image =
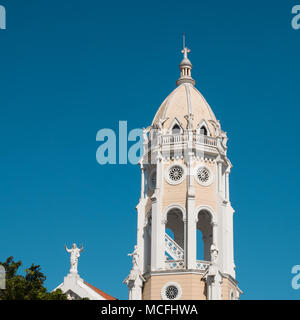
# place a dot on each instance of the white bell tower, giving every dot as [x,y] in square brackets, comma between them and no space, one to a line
[185,219]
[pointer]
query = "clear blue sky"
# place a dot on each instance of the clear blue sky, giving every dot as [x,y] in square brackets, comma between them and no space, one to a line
[69,68]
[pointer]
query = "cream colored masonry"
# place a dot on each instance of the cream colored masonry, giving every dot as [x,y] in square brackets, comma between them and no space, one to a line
[193,287]
[178,193]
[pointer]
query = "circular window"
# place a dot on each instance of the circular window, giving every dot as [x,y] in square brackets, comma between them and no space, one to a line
[171,291]
[204,176]
[175,174]
[152,180]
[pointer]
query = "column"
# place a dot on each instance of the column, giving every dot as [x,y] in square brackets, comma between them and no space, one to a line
[158,226]
[215,234]
[140,234]
[154,236]
[142,182]
[220,177]
[229,266]
[227,185]
[185,242]
[191,243]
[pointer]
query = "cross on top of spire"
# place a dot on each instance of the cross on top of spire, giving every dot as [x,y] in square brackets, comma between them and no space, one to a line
[185,50]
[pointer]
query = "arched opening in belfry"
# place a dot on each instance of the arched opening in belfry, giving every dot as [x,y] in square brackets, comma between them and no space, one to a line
[203,131]
[174,234]
[176,129]
[147,242]
[204,235]
[200,245]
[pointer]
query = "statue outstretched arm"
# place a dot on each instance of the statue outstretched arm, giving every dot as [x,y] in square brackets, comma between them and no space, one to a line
[81,249]
[68,250]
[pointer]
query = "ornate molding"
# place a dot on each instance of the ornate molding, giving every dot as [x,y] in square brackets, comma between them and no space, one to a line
[174,206]
[208,209]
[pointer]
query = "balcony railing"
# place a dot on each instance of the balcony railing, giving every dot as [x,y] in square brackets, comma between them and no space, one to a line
[173,248]
[206,140]
[179,265]
[170,139]
[174,264]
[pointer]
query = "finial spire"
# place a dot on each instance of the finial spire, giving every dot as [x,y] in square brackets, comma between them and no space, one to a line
[184,50]
[185,66]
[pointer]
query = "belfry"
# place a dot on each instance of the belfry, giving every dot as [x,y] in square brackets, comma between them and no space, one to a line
[184,245]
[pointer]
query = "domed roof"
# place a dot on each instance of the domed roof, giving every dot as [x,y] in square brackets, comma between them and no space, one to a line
[185,62]
[183,101]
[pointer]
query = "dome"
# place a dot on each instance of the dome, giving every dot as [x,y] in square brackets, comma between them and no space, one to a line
[182,101]
[185,62]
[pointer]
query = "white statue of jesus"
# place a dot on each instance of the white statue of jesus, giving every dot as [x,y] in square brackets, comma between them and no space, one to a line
[75,254]
[134,256]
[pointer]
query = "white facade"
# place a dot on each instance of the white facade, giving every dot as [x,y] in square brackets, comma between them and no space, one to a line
[75,287]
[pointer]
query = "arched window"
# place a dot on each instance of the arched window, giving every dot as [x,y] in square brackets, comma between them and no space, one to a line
[204,235]
[203,131]
[176,129]
[176,225]
[175,238]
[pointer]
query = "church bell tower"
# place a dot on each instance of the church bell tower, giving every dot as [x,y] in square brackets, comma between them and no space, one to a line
[184,245]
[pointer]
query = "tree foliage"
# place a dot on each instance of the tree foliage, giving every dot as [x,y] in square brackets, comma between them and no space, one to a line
[28,287]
